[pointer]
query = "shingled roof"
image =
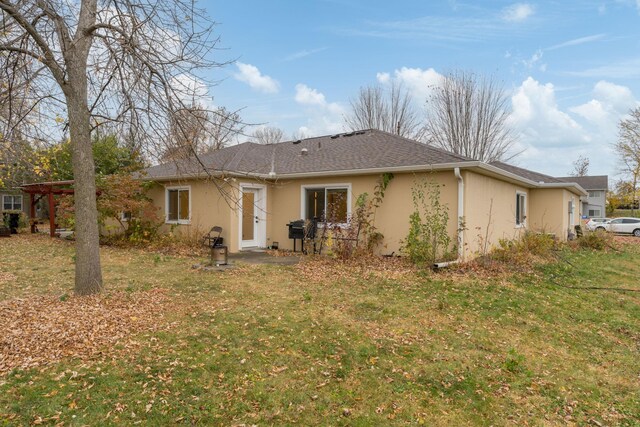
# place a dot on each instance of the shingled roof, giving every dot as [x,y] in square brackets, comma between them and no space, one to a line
[369,149]
[594,182]
[347,153]
[528,174]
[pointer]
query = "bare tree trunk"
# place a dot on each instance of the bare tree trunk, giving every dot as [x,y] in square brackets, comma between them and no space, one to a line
[88,271]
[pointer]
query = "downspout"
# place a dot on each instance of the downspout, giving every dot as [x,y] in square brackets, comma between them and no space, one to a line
[456,172]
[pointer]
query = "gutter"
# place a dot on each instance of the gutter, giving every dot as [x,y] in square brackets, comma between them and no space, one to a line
[394,169]
[460,258]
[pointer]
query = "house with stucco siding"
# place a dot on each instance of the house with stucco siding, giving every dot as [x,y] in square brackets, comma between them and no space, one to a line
[253,191]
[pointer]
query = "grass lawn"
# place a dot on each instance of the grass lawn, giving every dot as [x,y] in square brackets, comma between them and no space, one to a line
[326,344]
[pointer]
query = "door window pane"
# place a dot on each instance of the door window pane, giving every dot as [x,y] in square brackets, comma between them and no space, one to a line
[248,213]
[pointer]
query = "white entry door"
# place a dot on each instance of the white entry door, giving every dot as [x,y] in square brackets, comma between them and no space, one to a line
[252,217]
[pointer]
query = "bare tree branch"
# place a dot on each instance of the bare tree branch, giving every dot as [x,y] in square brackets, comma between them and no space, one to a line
[130,65]
[268,135]
[391,111]
[467,115]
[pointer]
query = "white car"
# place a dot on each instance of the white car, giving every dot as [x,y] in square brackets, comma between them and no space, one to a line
[622,225]
[593,223]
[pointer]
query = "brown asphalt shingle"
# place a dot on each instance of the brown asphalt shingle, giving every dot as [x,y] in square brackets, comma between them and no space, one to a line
[594,182]
[368,149]
[526,173]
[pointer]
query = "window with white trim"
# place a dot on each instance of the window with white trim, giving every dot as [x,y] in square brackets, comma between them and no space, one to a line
[594,212]
[327,204]
[178,206]
[12,203]
[521,209]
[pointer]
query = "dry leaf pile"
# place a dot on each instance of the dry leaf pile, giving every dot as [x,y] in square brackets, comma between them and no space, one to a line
[626,239]
[6,278]
[322,269]
[42,329]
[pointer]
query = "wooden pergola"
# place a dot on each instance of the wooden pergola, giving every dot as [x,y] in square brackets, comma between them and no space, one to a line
[49,189]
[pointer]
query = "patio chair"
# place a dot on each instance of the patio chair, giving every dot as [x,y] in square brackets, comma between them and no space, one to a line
[212,238]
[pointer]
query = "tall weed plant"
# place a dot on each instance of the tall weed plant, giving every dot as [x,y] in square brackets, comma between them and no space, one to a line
[428,238]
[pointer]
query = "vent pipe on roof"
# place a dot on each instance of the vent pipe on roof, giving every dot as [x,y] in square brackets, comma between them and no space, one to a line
[304,152]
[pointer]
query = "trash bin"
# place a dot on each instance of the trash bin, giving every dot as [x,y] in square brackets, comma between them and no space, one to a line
[219,255]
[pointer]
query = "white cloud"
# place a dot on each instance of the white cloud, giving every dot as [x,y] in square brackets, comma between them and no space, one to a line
[191,88]
[303,53]
[323,117]
[578,41]
[537,117]
[308,96]
[609,104]
[383,78]
[251,75]
[535,58]
[620,98]
[419,82]
[553,138]
[517,12]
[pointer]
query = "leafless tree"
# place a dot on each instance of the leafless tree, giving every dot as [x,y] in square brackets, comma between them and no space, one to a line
[390,110]
[268,135]
[132,63]
[467,115]
[196,130]
[299,134]
[628,150]
[580,166]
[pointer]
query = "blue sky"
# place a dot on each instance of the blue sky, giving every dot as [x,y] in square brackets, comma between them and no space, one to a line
[571,68]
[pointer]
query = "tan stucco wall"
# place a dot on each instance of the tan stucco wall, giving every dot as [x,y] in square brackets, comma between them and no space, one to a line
[489,205]
[284,202]
[392,218]
[208,207]
[490,212]
[550,211]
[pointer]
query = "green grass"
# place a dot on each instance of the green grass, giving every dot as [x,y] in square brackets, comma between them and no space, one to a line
[266,345]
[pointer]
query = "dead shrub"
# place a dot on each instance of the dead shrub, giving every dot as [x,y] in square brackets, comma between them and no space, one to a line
[596,240]
[531,247]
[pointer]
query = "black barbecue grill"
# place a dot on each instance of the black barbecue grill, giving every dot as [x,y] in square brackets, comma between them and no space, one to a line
[301,229]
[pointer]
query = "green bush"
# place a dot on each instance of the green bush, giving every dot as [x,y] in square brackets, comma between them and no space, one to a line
[428,237]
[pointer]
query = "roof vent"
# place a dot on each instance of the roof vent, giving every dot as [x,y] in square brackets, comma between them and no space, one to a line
[304,152]
[349,134]
[335,136]
[297,142]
